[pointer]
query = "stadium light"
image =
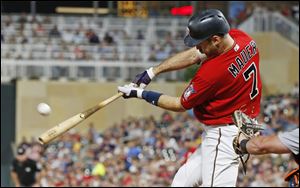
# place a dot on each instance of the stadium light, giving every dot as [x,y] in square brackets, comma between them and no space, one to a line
[182,11]
[76,10]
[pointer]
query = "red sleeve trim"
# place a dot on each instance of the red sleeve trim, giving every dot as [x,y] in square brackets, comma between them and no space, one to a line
[184,105]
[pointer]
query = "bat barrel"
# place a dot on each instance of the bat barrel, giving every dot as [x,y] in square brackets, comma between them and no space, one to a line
[61,128]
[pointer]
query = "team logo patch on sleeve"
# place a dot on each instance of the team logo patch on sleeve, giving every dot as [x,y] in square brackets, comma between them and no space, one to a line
[190,90]
[236,47]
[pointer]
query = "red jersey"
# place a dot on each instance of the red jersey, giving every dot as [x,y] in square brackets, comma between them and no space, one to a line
[226,83]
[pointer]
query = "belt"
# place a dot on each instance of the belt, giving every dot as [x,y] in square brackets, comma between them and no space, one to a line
[230,124]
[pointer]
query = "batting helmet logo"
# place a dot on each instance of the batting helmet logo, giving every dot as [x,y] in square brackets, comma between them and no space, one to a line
[187,31]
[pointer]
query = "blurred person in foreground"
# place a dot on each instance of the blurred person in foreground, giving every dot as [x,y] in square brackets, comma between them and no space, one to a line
[25,171]
[283,142]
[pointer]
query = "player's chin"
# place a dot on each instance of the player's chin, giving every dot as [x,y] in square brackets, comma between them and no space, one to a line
[211,54]
[200,50]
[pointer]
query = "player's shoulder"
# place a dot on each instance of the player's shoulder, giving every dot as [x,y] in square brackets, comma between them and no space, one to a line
[209,73]
[238,33]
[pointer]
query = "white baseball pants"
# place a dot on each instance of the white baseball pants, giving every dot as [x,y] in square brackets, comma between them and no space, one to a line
[214,163]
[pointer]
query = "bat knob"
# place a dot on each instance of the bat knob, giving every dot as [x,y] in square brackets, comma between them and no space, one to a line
[41,141]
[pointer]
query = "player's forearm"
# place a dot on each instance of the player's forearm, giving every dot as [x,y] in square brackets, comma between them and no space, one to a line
[15,179]
[170,103]
[266,144]
[179,61]
[152,97]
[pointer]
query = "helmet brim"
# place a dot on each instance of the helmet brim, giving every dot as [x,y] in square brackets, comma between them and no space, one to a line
[190,41]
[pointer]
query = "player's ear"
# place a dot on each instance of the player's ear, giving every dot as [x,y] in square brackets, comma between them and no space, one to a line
[216,39]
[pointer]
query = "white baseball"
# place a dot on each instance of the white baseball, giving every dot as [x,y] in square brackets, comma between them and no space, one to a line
[44,109]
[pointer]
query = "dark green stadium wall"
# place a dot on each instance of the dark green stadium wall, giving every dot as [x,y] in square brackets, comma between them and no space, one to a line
[8,124]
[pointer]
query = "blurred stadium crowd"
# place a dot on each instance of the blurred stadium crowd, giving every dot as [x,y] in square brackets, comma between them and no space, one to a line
[64,38]
[88,47]
[82,38]
[148,152]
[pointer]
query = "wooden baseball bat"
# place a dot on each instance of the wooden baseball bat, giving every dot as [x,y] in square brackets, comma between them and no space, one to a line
[66,125]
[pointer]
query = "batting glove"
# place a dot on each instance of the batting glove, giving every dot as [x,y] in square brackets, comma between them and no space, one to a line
[143,79]
[131,91]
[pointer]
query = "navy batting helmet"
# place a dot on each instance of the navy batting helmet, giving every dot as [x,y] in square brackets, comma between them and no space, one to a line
[205,24]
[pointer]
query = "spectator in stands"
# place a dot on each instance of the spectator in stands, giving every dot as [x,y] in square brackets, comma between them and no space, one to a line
[23,39]
[140,35]
[9,29]
[108,38]
[190,146]
[124,35]
[115,55]
[54,32]
[168,43]
[79,53]
[39,29]
[92,37]
[152,56]
[285,10]
[33,19]
[180,34]
[67,36]
[78,37]
[47,20]
[22,18]
[161,54]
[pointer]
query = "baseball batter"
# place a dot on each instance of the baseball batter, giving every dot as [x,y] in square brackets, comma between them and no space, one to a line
[227,80]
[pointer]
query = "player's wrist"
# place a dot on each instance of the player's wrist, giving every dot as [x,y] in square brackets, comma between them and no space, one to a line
[151,72]
[139,93]
[243,146]
[151,96]
[156,70]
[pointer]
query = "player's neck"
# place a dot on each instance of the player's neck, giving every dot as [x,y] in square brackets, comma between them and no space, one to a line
[226,44]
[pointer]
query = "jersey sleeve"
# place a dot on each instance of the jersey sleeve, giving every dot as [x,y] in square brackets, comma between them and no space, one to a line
[291,140]
[198,91]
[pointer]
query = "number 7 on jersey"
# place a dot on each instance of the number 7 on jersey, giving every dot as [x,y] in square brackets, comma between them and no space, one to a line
[252,70]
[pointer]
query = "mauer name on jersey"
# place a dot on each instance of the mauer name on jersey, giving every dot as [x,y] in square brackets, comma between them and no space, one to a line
[243,58]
